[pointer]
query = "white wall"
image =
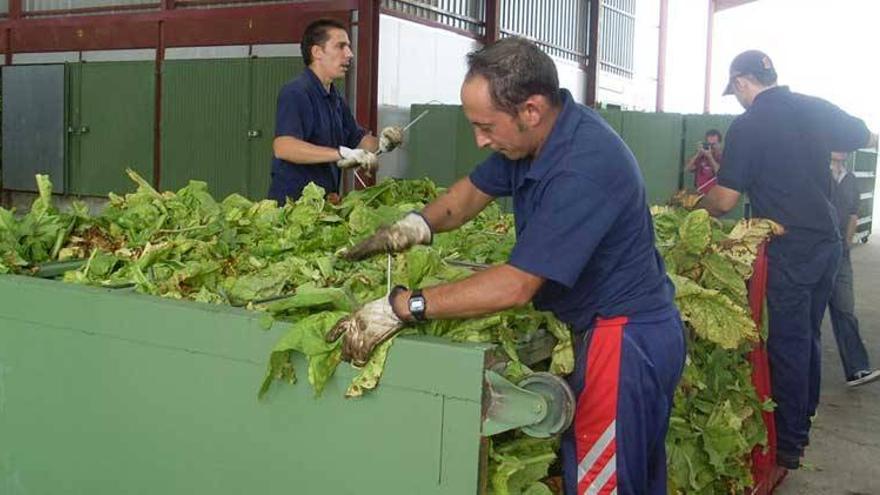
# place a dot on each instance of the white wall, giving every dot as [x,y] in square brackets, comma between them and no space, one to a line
[686,55]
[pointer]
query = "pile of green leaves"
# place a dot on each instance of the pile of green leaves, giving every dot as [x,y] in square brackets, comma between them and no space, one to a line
[283,261]
[38,235]
[716,418]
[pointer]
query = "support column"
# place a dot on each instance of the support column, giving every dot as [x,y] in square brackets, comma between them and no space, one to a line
[593,53]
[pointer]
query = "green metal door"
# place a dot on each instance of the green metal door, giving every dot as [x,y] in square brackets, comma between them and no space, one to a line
[267,75]
[655,140]
[112,115]
[205,124]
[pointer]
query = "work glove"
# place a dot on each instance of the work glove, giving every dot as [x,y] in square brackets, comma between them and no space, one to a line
[685,199]
[365,330]
[405,233]
[390,138]
[357,157]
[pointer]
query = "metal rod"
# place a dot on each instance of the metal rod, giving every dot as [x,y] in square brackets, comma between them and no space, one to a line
[358,177]
[413,121]
[388,273]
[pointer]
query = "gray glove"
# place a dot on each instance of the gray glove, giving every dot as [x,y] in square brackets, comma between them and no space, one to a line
[390,138]
[405,233]
[365,330]
[357,157]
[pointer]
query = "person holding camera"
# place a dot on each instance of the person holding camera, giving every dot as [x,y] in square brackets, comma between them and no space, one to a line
[706,161]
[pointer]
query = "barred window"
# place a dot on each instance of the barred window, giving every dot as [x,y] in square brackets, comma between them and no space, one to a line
[618,36]
[463,15]
[557,26]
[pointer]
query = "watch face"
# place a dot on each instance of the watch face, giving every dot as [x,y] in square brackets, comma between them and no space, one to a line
[416,305]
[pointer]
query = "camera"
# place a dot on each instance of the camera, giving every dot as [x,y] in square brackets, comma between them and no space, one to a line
[706,146]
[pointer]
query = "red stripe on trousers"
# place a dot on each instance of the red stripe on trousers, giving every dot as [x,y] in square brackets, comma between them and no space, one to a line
[597,403]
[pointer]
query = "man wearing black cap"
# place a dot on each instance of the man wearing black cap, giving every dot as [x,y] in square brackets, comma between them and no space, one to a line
[777,152]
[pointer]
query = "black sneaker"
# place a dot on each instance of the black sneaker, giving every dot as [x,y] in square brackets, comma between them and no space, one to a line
[788,460]
[862,377]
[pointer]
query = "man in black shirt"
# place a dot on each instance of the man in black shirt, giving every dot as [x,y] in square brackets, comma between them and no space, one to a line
[777,152]
[841,307]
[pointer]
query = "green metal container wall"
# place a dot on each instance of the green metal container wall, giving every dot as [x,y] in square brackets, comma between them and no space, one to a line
[111,125]
[442,145]
[142,395]
[205,124]
[655,140]
[268,75]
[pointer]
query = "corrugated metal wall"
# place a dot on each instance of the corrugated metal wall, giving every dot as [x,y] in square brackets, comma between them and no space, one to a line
[442,146]
[558,26]
[33,125]
[204,124]
[618,37]
[467,15]
[267,77]
[47,5]
[218,122]
[111,107]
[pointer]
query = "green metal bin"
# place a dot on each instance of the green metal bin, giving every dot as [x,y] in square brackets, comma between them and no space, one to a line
[109,392]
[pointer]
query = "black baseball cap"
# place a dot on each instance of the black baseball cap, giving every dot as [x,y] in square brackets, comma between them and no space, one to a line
[751,62]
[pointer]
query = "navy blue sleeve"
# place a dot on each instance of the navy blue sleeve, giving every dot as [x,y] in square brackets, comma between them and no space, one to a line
[352,131]
[736,171]
[573,217]
[294,115]
[842,131]
[493,176]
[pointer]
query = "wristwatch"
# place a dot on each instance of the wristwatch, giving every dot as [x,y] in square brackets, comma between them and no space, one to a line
[417,305]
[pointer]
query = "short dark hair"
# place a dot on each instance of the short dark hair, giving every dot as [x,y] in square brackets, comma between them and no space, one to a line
[714,132]
[316,34]
[515,69]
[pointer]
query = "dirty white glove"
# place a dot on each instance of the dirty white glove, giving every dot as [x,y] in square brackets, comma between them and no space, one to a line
[365,330]
[405,233]
[390,138]
[356,157]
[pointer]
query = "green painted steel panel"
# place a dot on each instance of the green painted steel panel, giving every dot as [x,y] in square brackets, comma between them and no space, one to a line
[614,117]
[655,140]
[143,395]
[442,146]
[112,125]
[268,75]
[205,123]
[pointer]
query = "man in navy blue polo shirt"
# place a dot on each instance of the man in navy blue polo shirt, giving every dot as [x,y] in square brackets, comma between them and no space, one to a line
[584,250]
[315,132]
[777,152]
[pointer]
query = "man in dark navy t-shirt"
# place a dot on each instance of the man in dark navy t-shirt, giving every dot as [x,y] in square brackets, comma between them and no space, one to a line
[584,250]
[315,132]
[777,152]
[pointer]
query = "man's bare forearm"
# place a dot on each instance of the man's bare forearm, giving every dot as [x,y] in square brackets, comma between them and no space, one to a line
[490,291]
[461,202]
[297,151]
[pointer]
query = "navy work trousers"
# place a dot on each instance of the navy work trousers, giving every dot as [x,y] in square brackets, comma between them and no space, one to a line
[797,295]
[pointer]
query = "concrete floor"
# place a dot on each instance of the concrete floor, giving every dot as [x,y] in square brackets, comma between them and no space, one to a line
[844,446]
